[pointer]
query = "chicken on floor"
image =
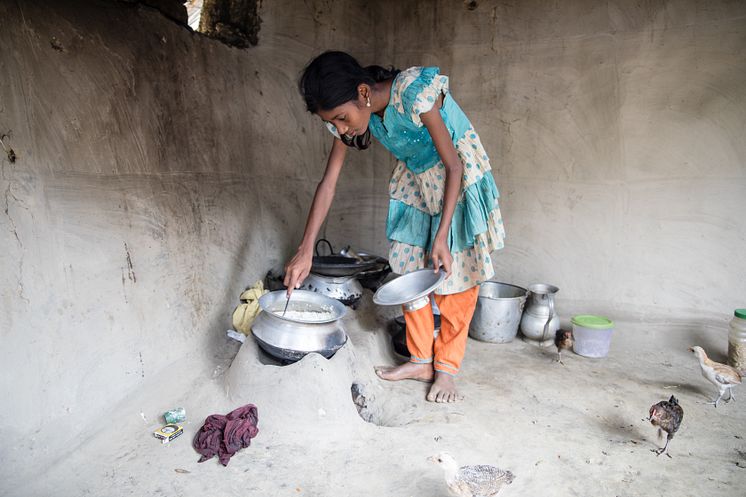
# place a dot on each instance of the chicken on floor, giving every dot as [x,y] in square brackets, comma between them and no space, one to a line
[667,416]
[563,340]
[472,481]
[722,376]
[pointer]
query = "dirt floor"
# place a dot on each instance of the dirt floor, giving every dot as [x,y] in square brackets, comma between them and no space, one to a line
[576,429]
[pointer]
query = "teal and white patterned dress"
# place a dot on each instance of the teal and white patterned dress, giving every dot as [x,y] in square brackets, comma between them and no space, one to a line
[417,183]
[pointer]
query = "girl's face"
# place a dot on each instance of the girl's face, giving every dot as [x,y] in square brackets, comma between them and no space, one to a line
[350,118]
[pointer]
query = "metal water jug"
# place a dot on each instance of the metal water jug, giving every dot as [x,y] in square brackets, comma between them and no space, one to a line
[540,322]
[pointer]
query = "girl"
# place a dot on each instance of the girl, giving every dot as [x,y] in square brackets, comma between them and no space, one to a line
[443,199]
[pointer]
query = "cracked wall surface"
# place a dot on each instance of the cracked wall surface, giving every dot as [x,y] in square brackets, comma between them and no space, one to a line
[159,172]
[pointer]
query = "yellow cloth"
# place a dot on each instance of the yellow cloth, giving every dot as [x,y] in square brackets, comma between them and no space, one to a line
[245,313]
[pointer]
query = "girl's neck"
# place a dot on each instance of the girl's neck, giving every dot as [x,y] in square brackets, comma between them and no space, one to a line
[380,96]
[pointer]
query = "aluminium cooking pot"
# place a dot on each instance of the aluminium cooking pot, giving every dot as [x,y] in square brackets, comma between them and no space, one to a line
[373,278]
[311,324]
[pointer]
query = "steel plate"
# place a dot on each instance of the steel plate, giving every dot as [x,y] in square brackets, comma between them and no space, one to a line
[409,287]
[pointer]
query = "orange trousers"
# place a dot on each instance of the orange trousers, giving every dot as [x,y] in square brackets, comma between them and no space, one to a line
[447,350]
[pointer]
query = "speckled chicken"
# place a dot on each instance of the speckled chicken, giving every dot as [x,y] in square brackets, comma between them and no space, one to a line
[667,416]
[722,376]
[563,340]
[472,481]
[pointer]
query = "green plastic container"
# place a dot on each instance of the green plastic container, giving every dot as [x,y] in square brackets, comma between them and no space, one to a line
[592,335]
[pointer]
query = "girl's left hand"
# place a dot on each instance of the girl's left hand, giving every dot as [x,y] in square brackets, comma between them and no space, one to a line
[441,256]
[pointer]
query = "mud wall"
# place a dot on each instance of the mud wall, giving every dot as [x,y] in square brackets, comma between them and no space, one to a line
[616,133]
[157,174]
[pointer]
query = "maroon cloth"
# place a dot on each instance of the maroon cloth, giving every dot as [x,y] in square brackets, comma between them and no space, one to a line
[225,435]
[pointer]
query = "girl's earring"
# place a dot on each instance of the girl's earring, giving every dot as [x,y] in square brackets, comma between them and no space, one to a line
[367,103]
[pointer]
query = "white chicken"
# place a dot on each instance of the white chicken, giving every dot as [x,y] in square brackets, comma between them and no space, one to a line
[722,376]
[472,481]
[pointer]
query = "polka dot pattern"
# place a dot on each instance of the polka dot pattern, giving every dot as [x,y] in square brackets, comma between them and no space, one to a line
[470,267]
[424,191]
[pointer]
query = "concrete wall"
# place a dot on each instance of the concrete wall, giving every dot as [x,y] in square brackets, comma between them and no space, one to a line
[616,131]
[158,174]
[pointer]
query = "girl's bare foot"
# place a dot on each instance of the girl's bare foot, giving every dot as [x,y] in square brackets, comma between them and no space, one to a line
[443,389]
[406,371]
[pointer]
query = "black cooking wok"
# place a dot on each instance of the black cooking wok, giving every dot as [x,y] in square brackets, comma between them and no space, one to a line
[340,265]
[337,265]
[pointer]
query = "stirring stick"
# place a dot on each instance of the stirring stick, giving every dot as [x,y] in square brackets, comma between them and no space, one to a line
[286,305]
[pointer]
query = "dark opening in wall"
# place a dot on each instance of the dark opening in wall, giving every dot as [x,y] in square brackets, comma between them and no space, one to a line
[172,9]
[235,22]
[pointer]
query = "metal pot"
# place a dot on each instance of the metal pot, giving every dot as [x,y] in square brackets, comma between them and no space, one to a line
[398,331]
[346,289]
[291,339]
[373,278]
[498,312]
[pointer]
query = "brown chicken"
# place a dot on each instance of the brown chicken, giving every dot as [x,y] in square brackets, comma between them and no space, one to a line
[563,340]
[667,416]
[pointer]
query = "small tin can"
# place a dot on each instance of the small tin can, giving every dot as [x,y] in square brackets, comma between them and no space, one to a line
[177,415]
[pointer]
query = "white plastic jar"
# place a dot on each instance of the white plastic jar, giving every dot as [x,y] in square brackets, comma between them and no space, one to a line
[737,340]
[592,335]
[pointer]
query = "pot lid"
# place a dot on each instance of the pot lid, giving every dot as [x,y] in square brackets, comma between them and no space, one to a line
[409,287]
[593,322]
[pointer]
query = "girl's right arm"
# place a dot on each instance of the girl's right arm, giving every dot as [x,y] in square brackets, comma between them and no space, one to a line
[300,265]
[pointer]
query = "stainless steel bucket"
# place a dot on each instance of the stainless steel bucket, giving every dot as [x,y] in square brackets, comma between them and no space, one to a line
[498,312]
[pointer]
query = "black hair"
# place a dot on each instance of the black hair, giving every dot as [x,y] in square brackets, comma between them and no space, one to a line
[332,78]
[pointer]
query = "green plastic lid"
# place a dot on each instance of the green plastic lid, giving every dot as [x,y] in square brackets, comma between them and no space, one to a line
[740,313]
[593,322]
